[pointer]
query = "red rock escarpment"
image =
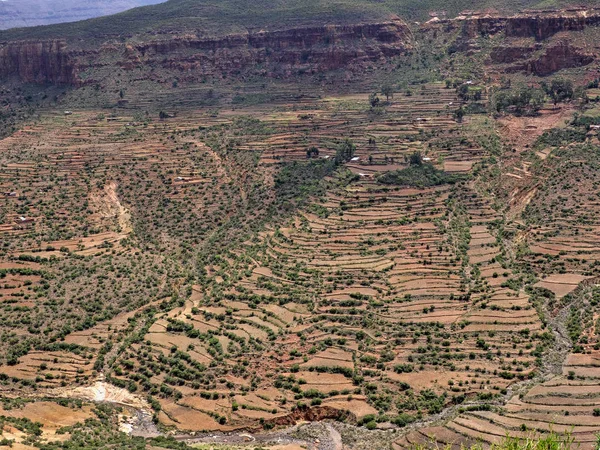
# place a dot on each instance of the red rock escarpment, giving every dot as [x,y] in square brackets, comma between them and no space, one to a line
[557,57]
[540,26]
[277,53]
[509,54]
[38,62]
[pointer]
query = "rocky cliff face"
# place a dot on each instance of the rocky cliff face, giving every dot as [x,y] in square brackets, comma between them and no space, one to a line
[563,55]
[542,57]
[311,414]
[274,54]
[556,56]
[37,62]
[292,52]
[509,54]
[540,25]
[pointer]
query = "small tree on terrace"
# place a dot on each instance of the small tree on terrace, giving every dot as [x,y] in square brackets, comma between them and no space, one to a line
[463,91]
[345,151]
[415,159]
[559,90]
[388,91]
[459,114]
[312,152]
[537,100]
[374,100]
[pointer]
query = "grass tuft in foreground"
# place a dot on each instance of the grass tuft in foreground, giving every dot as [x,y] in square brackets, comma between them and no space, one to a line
[550,441]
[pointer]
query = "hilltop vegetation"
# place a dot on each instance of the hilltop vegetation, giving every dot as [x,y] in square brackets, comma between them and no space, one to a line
[221,17]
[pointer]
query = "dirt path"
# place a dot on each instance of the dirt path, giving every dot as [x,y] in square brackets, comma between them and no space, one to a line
[554,359]
[336,439]
[107,204]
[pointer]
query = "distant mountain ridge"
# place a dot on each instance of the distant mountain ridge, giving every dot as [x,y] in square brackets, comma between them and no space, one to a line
[26,13]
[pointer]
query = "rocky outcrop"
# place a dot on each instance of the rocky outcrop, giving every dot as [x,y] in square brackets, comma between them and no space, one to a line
[557,57]
[38,62]
[292,52]
[275,54]
[311,414]
[543,27]
[509,54]
[518,53]
[539,25]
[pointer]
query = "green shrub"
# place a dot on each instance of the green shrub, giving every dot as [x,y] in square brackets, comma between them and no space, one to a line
[421,175]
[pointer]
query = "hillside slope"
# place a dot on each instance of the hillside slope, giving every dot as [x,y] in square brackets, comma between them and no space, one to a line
[217,18]
[28,13]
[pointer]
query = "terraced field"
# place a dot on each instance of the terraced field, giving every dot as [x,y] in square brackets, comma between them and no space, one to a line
[320,232]
[557,242]
[229,271]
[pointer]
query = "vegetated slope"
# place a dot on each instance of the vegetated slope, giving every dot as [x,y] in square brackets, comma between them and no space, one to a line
[210,269]
[217,18]
[213,17]
[558,247]
[205,261]
[27,13]
[289,40]
[245,291]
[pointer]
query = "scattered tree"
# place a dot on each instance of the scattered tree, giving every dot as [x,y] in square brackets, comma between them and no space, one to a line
[345,151]
[459,114]
[374,100]
[312,152]
[559,90]
[388,91]
[415,159]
